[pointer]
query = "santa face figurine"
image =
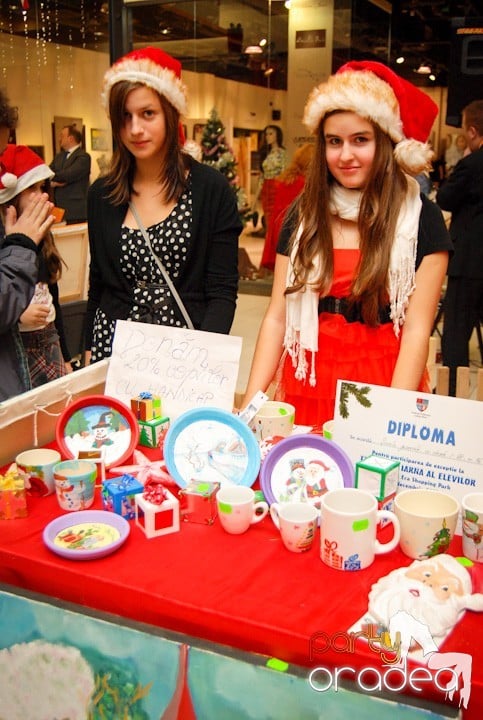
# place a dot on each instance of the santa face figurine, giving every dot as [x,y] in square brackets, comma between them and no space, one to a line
[435,592]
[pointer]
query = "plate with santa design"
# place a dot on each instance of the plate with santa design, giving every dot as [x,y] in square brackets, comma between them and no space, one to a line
[301,468]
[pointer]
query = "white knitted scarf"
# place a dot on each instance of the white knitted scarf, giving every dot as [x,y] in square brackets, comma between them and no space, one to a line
[302,319]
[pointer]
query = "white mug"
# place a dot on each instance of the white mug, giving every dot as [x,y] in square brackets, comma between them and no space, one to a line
[428,521]
[348,525]
[274,419]
[472,526]
[237,509]
[297,522]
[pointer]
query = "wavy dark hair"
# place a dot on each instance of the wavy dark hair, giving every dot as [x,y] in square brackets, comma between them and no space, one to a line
[120,174]
[381,202]
[265,147]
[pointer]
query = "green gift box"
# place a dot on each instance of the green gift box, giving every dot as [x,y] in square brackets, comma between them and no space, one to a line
[377,475]
[150,431]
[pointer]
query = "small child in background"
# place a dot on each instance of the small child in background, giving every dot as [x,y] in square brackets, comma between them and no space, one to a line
[22,174]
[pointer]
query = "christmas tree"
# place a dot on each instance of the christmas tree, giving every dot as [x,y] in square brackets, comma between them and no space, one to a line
[218,154]
[441,541]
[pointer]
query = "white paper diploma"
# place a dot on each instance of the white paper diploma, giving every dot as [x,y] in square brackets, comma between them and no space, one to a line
[437,440]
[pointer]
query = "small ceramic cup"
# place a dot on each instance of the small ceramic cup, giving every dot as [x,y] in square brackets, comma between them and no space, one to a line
[238,509]
[75,484]
[274,419]
[472,526]
[348,526]
[297,522]
[328,429]
[37,468]
[428,521]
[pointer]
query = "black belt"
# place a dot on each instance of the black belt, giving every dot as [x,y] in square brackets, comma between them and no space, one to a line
[350,311]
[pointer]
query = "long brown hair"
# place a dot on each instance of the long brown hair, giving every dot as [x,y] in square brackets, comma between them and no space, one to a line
[120,175]
[381,202]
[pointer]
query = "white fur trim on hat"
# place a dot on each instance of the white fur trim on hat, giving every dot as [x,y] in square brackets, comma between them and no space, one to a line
[149,73]
[360,92]
[363,92]
[14,185]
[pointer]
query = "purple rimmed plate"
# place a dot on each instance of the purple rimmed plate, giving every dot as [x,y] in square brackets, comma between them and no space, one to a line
[86,534]
[301,468]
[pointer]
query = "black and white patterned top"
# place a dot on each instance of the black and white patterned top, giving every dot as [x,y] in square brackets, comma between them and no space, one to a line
[153,301]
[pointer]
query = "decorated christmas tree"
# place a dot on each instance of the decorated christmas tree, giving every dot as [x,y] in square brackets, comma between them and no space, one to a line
[218,154]
[441,541]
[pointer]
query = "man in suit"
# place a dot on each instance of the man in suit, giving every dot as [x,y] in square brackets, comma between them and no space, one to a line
[462,195]
[72,167]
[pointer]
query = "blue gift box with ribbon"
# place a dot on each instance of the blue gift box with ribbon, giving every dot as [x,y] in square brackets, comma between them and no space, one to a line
[118,495]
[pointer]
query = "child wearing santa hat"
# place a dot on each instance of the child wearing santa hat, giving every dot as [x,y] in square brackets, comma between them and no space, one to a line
[18,269]
[23,174]
[163,228]
[362,255]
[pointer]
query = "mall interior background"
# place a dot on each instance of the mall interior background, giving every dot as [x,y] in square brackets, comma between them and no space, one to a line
[255,61]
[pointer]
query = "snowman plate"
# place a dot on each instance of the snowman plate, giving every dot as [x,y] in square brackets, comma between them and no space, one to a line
[97,422]
[211,445]
[301,468]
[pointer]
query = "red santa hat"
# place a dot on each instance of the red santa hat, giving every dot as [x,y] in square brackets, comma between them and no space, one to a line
[20,168]
[152,67]
[374,91]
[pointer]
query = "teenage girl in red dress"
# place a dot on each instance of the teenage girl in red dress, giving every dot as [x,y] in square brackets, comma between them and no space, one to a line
[362,255]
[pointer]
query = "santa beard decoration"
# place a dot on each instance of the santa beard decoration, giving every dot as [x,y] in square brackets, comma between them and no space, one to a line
[435,592]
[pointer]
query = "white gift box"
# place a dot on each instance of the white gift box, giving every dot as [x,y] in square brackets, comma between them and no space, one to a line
[378,476]
[156,520]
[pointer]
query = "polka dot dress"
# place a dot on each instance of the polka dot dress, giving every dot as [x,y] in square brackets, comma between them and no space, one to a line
[153,301]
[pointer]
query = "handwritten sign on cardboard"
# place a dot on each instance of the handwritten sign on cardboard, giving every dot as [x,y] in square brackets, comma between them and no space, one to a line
[436,439]
[186,368]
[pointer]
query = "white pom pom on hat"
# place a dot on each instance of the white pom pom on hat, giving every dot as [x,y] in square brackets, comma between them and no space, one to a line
[152,67]
[20,168]
[374,91]
[9,180]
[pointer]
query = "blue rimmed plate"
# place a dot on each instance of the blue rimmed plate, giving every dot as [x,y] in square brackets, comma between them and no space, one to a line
[301,468]
[211,445]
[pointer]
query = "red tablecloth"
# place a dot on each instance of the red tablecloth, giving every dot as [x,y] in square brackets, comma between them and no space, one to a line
[244,591]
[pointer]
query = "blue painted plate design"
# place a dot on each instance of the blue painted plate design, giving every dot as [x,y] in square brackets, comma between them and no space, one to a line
[211,445]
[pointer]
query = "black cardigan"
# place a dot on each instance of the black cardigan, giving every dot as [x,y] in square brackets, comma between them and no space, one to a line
[208,281]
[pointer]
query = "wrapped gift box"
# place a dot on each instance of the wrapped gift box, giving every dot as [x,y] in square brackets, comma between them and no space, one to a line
[198,502]
[378,476]
[150,431]
[146,406]
[13,497]
[118,495]
[157,519]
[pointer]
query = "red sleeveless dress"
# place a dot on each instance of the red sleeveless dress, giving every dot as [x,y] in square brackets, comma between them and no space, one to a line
[347,351]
